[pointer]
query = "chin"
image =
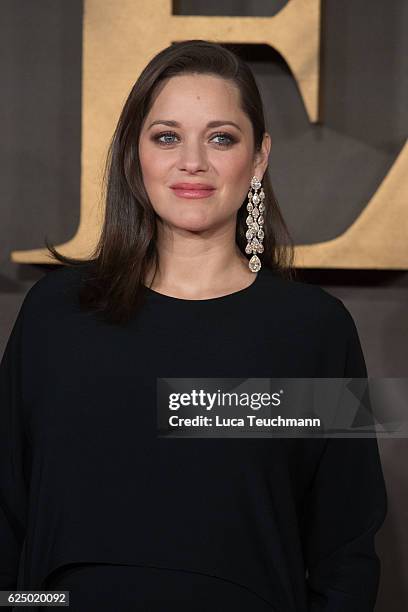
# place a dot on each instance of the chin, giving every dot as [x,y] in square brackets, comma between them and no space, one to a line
[192,227]
[193,222]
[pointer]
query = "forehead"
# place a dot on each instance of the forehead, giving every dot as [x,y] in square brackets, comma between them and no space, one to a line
[194,96]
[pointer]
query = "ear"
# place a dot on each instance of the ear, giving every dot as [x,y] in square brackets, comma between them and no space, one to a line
[262,157]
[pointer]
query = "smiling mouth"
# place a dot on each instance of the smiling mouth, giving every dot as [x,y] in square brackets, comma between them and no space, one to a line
[193,193]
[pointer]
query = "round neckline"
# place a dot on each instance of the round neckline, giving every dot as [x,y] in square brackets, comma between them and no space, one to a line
[219,298]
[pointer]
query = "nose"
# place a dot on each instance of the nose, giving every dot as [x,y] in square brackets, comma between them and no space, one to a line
[193,157]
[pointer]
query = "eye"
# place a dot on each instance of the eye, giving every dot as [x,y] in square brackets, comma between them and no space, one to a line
[229,139]
[164,135]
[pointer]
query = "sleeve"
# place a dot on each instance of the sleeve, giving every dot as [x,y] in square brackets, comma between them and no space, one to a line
[12,449]
[345,507]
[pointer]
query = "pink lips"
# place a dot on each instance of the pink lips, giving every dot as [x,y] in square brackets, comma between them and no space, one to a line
[193,190]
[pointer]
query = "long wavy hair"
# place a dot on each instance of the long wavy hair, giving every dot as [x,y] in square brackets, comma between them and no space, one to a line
[114,285]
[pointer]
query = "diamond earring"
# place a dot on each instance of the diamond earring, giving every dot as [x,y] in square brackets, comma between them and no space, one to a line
[255,221]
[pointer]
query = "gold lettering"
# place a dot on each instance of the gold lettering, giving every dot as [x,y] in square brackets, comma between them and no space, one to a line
[119,40]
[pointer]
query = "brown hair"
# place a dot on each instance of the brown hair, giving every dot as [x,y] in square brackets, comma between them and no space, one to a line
[126,250]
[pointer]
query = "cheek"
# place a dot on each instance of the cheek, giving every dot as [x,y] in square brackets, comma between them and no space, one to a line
[235,168]
[151,163]
[235,176]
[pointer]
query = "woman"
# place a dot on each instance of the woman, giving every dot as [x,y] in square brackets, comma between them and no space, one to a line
[183,283]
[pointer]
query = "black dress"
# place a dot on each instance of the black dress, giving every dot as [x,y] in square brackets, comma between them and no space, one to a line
[94,502]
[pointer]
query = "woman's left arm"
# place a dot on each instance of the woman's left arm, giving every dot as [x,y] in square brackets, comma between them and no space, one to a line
[345,508]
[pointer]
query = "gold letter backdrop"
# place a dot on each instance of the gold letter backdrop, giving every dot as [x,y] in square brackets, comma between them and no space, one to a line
[119,38]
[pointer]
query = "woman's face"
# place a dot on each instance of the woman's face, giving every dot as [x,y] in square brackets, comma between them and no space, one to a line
[183,147]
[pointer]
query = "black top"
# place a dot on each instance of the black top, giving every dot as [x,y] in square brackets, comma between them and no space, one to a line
[285,524]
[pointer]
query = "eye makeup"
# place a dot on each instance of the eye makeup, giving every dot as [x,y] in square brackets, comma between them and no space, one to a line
[230,139]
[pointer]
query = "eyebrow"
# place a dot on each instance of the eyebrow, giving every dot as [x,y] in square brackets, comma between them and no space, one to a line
[210,124]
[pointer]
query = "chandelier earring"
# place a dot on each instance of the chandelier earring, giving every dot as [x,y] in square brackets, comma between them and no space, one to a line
[255,221]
